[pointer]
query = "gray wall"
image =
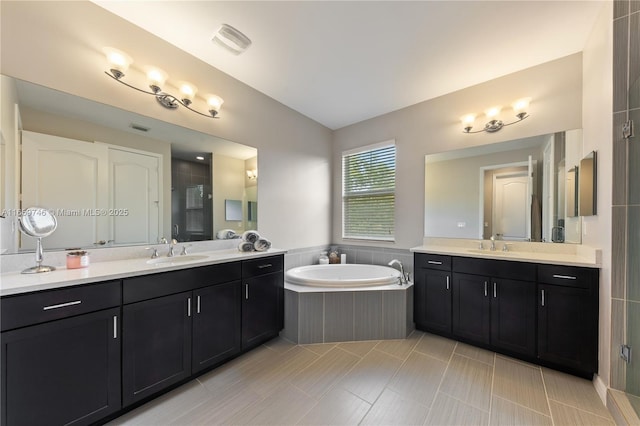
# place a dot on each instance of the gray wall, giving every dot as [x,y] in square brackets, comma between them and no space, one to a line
[59,44]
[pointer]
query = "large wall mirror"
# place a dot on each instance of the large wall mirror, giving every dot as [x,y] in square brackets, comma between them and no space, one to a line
[116,178]
[514,190]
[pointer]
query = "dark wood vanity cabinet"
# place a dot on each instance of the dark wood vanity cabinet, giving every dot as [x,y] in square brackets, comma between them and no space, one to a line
[180,323]
[216,312]
[495,311]
[541,313]
[61,355]
[568,317]
[494,304]
[169,334]
[262,300]
[156,345]
[84,354]
[432,293]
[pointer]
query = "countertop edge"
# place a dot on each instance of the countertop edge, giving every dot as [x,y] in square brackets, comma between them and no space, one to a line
[128,270]
[528,257]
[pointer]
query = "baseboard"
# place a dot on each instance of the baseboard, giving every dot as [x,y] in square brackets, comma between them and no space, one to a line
[601,388]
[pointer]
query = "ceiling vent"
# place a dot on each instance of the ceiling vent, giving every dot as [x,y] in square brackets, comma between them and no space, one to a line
[139,127]
[231,39]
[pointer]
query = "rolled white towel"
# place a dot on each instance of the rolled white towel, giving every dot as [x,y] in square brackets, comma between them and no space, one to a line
[245,246]
[250,236]
[226,234]
[262,244]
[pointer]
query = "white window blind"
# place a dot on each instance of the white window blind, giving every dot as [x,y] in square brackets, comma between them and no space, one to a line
[368,192]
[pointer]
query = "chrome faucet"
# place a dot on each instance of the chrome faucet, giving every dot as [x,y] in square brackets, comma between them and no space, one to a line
[171,245]
[493,243]
[154,252]
[403,275]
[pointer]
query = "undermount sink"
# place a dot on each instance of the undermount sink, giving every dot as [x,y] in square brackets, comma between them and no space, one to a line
[176,259]
[491,252]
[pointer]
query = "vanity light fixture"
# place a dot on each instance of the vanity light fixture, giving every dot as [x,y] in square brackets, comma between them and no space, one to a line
[492,114]
[252,174]
[119,63]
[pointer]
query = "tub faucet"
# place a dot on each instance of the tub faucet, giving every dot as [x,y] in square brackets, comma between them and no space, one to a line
[403,276]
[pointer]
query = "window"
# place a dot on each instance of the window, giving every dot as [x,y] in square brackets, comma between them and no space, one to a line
[368,192]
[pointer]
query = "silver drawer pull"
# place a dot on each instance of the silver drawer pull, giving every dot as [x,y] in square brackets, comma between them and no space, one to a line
[434,262]
[564,277]
[198,305]
[246,291]
[266,265]
[542,291]
[495,290]
[62,305]
[485,289]
[447,282]
[189,307]
[115,326]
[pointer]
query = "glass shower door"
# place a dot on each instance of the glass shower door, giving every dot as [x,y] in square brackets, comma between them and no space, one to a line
[633,252]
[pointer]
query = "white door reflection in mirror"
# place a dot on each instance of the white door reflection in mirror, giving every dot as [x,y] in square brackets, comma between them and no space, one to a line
[134,204]
[68,178]
[510,206]
[101,195]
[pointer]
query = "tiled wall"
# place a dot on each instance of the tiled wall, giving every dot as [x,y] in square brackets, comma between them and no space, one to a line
[626,196]
[355,254]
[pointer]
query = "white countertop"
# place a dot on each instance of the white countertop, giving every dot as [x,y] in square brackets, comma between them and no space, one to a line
[548,253]
[15,283]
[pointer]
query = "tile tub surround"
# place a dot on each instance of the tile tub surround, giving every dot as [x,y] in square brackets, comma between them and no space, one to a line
[12,283]
[315,315]
[422,380]
[549,253]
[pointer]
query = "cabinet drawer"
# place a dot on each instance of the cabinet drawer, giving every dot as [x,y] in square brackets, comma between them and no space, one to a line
[571,276]
[156,285]
[261,266]
[43,306]
[432,261]
[495,268]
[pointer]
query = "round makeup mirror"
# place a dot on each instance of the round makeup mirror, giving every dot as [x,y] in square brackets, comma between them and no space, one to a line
[38,223]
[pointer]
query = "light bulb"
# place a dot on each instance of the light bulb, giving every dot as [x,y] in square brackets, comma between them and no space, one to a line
[118,61]
[156,78]
[493,112]
[188,92]
[468,119]
[215,103]
[521,105]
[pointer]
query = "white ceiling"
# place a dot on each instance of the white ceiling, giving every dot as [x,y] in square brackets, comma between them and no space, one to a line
[341,62]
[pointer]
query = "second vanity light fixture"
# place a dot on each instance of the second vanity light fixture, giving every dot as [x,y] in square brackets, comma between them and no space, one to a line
[119,64]
[492,114]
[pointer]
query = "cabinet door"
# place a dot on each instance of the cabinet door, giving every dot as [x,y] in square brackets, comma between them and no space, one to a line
[432,301]
[260,309]
[62,372]
[567,327]
[216,324]
[513,316]
[157,345]
[471,307]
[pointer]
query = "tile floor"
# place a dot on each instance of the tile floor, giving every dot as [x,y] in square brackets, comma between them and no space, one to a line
[422,380]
